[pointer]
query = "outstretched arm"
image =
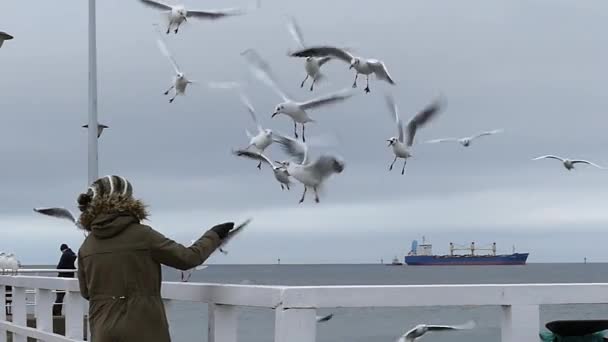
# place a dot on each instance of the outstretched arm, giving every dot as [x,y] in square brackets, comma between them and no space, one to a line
[176,255]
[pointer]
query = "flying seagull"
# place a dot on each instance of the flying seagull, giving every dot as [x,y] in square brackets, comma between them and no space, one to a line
[178,14]
[263,138]
[321,319]
[297,111]
[280,172]
[312,174]
[60,213]
[466,141]
[4,36]
[361,65]
[421,329]
[405,139]
[180,82]
[313,64]
[569,163]
[100,128]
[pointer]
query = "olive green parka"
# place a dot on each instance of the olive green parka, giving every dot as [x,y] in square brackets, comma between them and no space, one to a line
[119,270]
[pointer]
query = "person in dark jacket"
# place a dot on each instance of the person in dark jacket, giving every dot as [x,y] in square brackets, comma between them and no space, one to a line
[119,263]
[66,262]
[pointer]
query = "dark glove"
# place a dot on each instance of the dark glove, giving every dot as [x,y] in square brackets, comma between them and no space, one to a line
[223,229]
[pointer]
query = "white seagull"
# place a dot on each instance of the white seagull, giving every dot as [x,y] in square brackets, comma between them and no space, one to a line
[260,141]
[421,329]
[100,128]
[569,163]
[180,82]
[280,172]
[293,109]
[310,174]
[4,36]
[313,64]
[177,14]
[466,141]
[185,275]
[361,65]
[12,264]
[2,262]
[400,144]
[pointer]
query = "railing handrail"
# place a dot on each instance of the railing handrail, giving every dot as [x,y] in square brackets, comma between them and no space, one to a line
[295,306]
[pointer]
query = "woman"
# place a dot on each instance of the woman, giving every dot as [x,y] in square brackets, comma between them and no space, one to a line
[119,263]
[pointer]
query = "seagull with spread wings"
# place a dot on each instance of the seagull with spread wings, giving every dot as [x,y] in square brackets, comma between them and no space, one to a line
[180,82]
[280,172]
[312,174]
[569,163]
[312,65]
[297,111]
[466,141]
[362,66]
[178,14]
[420,330]
[405,139]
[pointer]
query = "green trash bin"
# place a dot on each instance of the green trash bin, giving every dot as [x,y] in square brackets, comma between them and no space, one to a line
[575,331]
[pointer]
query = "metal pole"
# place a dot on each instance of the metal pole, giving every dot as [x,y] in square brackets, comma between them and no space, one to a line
[92,156]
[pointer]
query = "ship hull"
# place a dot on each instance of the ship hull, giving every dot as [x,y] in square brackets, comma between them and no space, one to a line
[465,260]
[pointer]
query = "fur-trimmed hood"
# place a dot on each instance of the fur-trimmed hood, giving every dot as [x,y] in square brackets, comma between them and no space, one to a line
[106,216]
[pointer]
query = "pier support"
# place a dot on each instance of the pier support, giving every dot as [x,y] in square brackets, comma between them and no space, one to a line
[223,323]
[295,325]
[520,323]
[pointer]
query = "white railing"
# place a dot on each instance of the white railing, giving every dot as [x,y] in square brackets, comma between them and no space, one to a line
[295,306]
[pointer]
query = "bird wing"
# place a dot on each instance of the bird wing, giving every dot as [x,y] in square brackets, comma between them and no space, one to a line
[324,318]
[380,70]
[394,110]
[200,267]
[322,51]
[466,326]
[326,165]
[157,4]
[421,119]
[483,134]
[434,141]
[549,157]
[326,100]
[215,14]
[165,51]
[580,161]
[296,32]
[253,155]
[61,213]
[251,111]
[261,69]
[323,60]
[4,36]
[236,230]
[294,148]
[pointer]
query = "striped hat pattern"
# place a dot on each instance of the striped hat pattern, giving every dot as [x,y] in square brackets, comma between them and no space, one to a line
[111,185]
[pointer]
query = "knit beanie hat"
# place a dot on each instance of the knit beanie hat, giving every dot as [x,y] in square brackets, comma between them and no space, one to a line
[110,186]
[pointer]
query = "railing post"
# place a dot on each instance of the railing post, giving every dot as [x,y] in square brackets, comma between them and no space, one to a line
[3,311]
[18,309]
[520,323]
[74,315]
[295,325]
[223,322]
[44,310]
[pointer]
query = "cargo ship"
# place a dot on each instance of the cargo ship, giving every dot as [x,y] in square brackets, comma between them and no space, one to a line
[422,255]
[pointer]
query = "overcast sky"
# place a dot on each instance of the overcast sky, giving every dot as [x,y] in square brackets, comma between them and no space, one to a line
[533,67]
